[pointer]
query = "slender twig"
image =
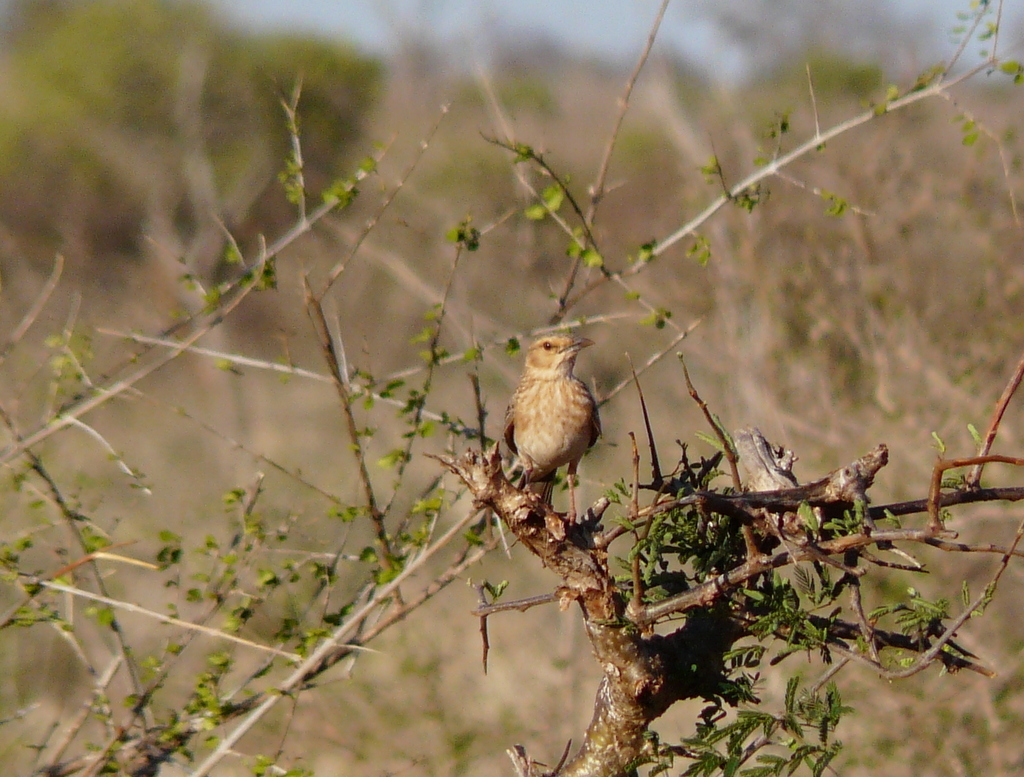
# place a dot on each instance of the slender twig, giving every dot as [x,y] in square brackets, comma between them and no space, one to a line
[866,628]
[455,427]
[819,192]
[424,144]
[1005,158]
[75,725]
[113,454]
[771,169]
[942,465]
[481,410]
[814,101]
[296,167]
[520,605]
[35,308]
[634,511]
[355,437]
[654,359]
[431,356]
[103,394]
[588,239]
[656,476]
[67,333]
[930,655]
[485,642]
[716,427]
[323,651]
[809,145]
[606,275]
[597,190]
[965,547]
[967,36]
[974,478]
[829,673]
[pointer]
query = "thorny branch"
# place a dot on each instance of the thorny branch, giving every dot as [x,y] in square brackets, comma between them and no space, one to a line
[647,671]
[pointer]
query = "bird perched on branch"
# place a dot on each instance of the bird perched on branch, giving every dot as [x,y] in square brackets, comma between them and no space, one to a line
[552,419]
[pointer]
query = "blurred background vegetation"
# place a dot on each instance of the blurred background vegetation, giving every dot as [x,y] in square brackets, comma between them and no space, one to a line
[874,294]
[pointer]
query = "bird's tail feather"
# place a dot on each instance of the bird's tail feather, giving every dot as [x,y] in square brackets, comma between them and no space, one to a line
[544,487]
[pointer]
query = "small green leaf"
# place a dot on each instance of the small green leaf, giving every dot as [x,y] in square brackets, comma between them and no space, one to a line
[464,234]
[524,153]
[975,435]
[646,253]
[700,250]
[553,197]
[837,205]
[231,254]
[657,318]
[711,170]
[368,165]
[807,515]
[535,212]
[496,590]
[714,442]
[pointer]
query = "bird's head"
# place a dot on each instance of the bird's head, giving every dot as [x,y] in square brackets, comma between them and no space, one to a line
[555,354]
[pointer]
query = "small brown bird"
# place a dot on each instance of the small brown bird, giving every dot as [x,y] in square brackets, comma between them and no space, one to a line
[552,419]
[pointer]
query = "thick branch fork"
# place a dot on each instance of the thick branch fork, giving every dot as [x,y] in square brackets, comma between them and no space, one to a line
[644,673]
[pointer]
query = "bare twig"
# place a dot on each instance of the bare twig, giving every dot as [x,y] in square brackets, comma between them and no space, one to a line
[296,166]
[118,604]
[34,309]
[974,478]
[716,427]
[654,359]
[326,648]
[656,476]
[103,394]
[634,511]
[942,465]
[520,605]
[341,384]
[424,144]
[597,190]
[926,658]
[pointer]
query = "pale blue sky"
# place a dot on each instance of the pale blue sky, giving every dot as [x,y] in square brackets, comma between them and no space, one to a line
[610,28]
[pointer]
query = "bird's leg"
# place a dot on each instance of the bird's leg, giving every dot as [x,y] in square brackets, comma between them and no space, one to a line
[570,476]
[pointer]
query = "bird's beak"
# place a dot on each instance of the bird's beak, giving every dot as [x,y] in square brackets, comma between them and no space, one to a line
[580,343]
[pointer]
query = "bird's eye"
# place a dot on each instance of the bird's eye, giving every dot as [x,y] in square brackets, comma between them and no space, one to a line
[548,345]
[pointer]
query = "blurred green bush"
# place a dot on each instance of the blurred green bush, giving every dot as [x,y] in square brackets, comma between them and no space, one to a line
[120,114]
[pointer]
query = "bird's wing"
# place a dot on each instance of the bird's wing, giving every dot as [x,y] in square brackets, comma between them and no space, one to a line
[510,426]
[595,424]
